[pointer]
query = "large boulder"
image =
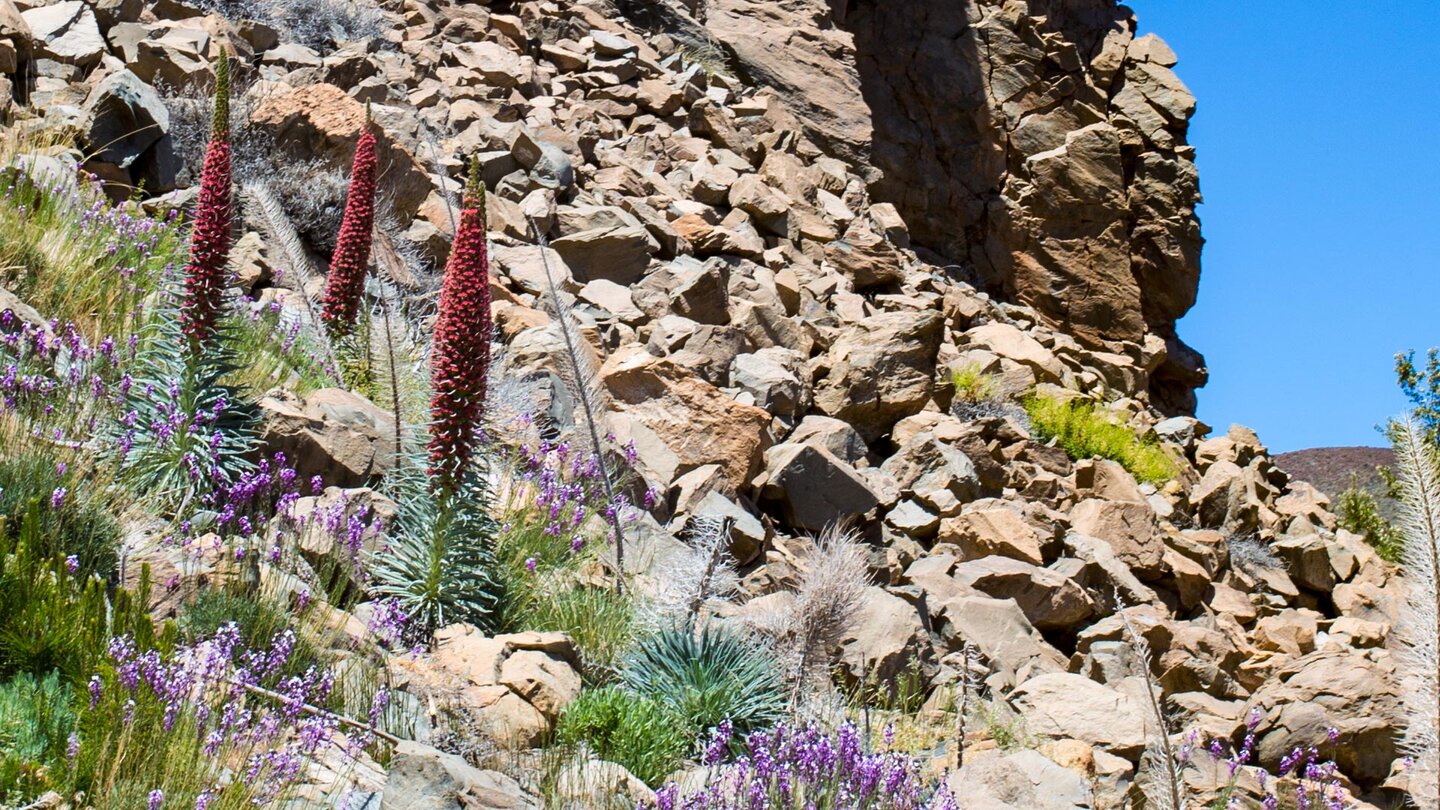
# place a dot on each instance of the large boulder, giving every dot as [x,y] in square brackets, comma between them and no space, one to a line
[512,687]
[694,420]
[813,488]
[1355,692]
[321,120]
[14,28]
[885,640]
[127,117]
[1019,780]
[618,254]
[994,529]
[937,474]
[774,376]
[1130,528]
[333,433]
[1050,600]
[66,32]
[880,370]
[1062,705]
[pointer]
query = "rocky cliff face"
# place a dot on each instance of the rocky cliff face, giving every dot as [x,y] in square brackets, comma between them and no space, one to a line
[1040,146]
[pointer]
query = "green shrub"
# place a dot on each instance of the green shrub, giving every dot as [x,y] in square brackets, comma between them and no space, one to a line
[36,720]
[51,620]
[638,732]
[544,588]
[973,386]
[1085,432]
[1357,511]
[82,526]
[599,621]
[708,678]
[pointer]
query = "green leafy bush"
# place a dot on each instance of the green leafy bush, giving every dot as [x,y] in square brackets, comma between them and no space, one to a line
[1085,432]
[1357,511]
[638,732]
[80,525]
[708,678]
[52,620]
[972,385]
[36,720]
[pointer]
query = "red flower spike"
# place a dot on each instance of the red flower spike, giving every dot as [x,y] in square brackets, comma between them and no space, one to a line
[460,359]
[210,240]
[346,281]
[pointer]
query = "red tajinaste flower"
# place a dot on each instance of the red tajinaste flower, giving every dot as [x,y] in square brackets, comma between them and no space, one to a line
[210,239]
[346,281]
[460,358]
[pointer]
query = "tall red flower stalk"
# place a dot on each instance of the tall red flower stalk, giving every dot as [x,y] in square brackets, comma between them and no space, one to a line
[346,281]
[211,237]
[460,358]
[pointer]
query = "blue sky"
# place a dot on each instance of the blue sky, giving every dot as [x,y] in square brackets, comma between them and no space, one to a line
[1318,140]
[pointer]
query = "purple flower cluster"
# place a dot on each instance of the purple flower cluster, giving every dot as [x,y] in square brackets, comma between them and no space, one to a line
[388,622]
[802,766]
[125,236]
[567,486]
[1317,783]
[55,378]
[239,703]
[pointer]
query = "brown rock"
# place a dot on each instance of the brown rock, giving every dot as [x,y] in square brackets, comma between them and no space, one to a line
[1129,528]
[14,28]
[880,370]
[320,120]
[544,682]
[335,434]
[1050,600]
[865,257]
[1355,692]
[1062,705]
[885,640]
[813,488]
[993,530]
[694,420]
[618,254]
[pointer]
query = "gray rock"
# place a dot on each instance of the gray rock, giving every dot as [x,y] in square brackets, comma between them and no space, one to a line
[66,32]
[937,474]
[834,435]
[422,778]
[127,117]
[814,488]
[773,377]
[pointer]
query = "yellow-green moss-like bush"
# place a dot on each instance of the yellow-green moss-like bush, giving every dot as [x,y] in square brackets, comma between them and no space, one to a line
[1085,432]
[973,386]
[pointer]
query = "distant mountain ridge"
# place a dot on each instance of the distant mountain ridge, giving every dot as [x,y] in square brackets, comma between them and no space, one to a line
[1333,469]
